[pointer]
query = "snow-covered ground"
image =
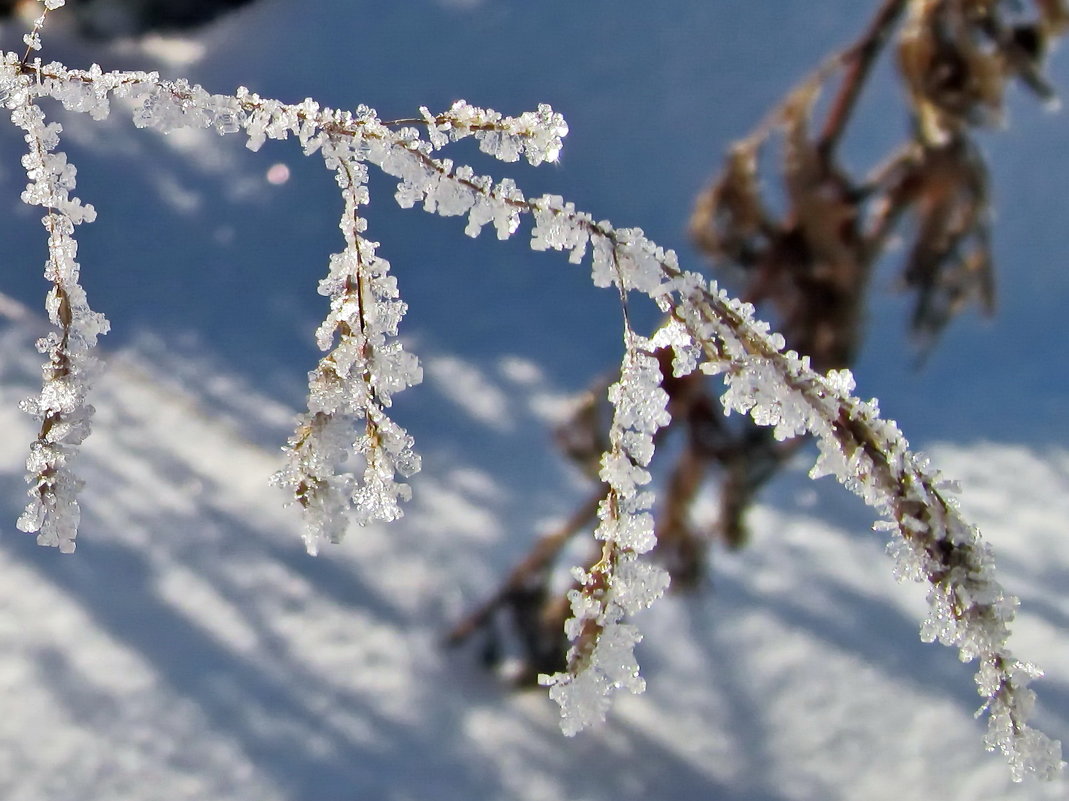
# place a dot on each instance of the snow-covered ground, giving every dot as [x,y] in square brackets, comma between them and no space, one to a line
[191,650]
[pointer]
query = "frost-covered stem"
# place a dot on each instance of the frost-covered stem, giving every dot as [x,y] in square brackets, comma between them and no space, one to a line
[61,407]
[353,384]
[931,542]
[33,38]
[601,659]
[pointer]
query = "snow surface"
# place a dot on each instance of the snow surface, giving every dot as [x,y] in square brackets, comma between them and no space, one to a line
[191,650]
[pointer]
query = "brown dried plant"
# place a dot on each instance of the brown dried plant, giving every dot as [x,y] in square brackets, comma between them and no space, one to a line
[806,258]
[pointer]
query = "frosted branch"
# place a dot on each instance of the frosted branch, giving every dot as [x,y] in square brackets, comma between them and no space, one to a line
[931,542]
[352,386]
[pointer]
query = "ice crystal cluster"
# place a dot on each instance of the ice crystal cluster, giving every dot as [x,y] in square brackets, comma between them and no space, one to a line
[348,459]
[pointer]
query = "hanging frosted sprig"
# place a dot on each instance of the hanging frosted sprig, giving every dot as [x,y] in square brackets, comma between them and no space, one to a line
[601,658]
[354,383]
[61,408]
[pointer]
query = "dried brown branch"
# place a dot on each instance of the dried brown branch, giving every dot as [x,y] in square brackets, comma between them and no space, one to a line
[858,61]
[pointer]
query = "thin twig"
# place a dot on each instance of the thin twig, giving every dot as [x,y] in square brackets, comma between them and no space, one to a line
[861,56]
[537,560]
